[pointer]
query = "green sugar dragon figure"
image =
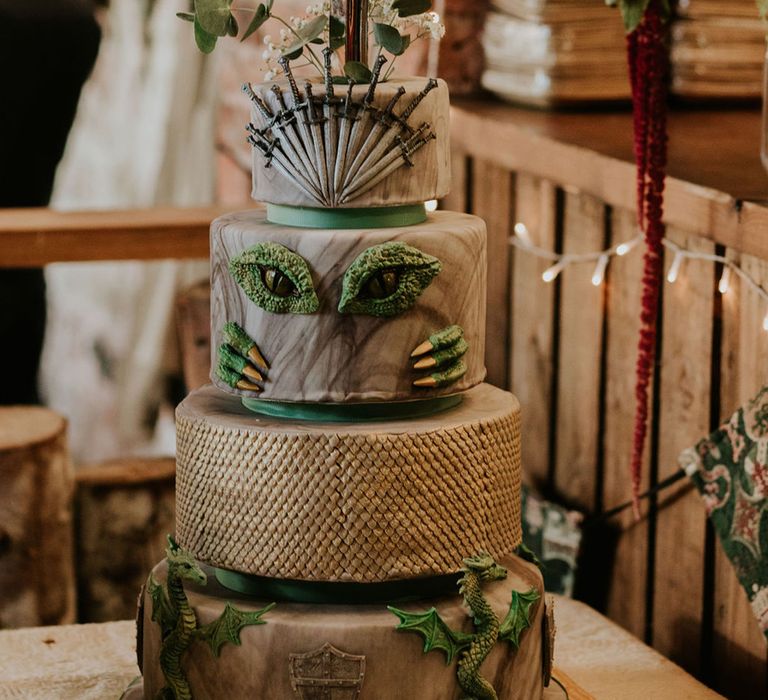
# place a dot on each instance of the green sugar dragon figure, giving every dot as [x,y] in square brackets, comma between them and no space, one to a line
[473,648]
[178,622]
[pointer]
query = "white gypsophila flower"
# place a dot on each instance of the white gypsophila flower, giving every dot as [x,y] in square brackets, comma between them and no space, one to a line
[267,39]
[269,75]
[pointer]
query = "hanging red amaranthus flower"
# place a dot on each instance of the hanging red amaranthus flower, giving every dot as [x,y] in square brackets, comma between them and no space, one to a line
[648,64]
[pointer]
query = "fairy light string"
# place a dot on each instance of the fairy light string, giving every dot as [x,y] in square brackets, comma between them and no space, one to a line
[521,239]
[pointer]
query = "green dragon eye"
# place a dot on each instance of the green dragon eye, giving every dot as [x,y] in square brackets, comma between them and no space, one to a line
[275,279]
[386,280]
[278,283]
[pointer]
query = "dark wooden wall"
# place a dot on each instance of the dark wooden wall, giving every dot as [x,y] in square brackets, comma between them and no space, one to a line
[567,350]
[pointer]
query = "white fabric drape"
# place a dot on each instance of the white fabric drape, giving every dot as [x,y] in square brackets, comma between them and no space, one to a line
[143,135]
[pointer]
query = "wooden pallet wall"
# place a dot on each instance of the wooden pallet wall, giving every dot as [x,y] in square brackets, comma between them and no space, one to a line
[567,349]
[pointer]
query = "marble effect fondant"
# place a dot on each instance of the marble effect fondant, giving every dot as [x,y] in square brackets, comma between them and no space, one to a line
[395,665]
[331,357]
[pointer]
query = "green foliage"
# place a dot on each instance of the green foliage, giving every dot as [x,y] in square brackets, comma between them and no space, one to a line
[259,17]
[632,11]
[518,617]
[215,18]
[406,8]
[359,72]
[205,42]
[389,38]
[336,32]
[213,15]
[436,634]
[232,27]
[227,627]
[310,31]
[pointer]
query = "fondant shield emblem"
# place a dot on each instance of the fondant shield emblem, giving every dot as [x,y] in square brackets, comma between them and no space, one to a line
[327,674]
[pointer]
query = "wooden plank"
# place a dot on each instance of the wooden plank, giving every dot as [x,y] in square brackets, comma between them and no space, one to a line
[580,355]
[739,658]
[456,199]
[683,420]
[531,325]
[492,200]
[37,237]
[626,598]
[704,192]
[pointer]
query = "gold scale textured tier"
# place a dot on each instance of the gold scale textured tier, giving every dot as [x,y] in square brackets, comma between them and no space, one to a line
[363,502]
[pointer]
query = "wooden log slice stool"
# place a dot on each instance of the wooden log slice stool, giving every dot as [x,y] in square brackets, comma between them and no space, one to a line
[37,579]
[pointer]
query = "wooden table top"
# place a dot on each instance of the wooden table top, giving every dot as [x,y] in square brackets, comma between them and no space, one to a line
[717,187]
[718,149]
[96,661]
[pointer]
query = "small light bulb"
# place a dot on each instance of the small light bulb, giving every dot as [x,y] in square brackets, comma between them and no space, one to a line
[431,205]
[521,230]
[725,280]
[599,274]
[623,249]
[674,270]
[551,273]
[765,323]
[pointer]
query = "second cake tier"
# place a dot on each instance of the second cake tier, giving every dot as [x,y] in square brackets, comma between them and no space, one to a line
[337,313]
[366,502]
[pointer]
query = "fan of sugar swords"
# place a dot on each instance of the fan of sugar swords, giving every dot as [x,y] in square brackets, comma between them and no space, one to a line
[336,148]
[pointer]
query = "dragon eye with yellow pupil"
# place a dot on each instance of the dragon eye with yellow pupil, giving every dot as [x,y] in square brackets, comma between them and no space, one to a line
[386,279]
[277,282]
[380,284]
[275,279]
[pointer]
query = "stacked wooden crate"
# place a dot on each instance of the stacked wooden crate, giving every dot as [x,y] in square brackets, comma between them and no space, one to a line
[555,52]
[718,49]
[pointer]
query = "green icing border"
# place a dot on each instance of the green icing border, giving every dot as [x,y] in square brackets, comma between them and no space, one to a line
[351,412]
[337,593]
[373,217]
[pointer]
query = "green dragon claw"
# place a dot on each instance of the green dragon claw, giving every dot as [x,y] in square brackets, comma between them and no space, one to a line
[442,351]
[449,375]
[240,360]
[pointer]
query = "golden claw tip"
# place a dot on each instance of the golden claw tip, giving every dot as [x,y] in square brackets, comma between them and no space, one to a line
[425,362]
[425,347]
[253,374]
[257,358]
[248,386]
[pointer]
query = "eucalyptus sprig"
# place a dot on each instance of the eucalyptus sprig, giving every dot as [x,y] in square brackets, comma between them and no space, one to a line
[393,25]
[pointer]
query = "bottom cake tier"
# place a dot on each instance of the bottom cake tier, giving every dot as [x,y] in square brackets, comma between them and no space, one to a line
[219,646]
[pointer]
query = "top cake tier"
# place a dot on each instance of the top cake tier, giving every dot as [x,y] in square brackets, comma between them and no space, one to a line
[338,146]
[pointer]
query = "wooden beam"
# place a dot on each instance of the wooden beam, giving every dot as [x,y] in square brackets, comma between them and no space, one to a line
[707,193]
[38,237]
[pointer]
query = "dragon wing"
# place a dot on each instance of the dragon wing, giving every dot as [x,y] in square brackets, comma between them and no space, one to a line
[518,617]
[227,627]
[162,612]
[437,635]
